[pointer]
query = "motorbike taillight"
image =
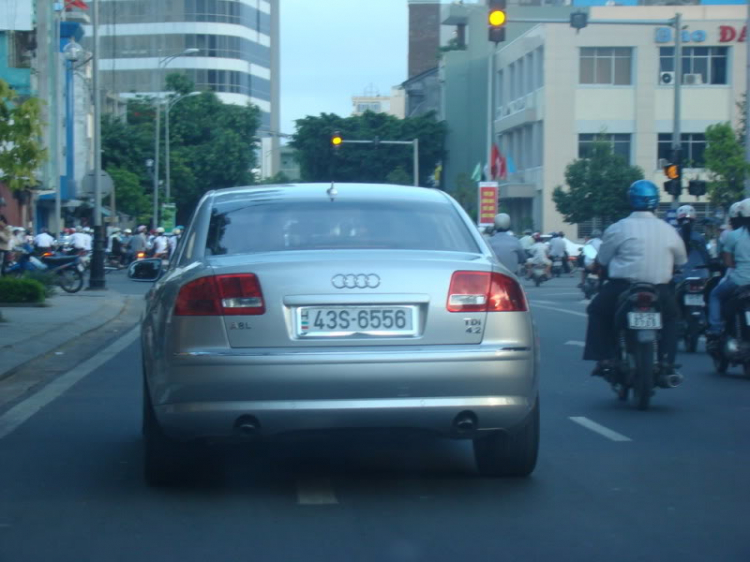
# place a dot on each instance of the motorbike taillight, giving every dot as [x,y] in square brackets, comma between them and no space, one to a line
[644,301]
[696,287]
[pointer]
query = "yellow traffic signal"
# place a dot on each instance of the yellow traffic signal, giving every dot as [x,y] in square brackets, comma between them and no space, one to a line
[497,18]
[672,171]
[336,139]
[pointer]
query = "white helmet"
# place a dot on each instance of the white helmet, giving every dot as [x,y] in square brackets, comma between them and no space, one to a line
[743,208]
[686,212]
[734,210]
[128,231]
[502,222]
[160,230]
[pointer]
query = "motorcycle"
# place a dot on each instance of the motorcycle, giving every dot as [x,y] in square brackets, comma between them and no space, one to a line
[692,303]
[69,269]
[557,266]
[733,348]
[638,320]
[538,274]
[591,282]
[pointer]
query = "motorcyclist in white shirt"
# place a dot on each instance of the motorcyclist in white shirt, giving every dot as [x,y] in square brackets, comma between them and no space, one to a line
[539,256]
[160,244]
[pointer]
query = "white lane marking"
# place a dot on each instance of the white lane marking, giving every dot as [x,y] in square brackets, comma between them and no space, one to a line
[22,411]
[534,301]
[600,429]
[573,312]
[576,343]
[315,491]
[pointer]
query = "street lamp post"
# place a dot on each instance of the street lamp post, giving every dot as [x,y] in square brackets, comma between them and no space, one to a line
[163,62]
[167,154]
[96,278]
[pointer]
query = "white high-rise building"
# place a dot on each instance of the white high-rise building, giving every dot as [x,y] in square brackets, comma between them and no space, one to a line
[238,42]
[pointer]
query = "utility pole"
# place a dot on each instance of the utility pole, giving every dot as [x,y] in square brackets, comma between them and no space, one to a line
[96,278]
[677,132]
[747,102]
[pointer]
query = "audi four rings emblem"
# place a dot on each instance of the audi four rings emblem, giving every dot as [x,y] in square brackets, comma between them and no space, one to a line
[352,281]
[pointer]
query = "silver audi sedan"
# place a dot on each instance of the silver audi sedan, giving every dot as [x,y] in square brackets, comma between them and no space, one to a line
[322,307]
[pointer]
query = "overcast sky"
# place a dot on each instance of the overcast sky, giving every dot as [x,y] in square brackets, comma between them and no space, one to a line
[334,49]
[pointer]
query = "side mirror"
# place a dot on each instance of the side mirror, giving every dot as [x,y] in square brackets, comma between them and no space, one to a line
[145,270]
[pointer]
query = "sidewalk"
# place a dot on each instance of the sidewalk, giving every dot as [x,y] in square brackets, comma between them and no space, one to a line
[28,333]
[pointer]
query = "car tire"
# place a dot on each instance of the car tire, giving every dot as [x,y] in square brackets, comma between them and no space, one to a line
[510,453]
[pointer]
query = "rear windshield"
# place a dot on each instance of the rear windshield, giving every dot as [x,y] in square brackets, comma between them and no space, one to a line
[241,227]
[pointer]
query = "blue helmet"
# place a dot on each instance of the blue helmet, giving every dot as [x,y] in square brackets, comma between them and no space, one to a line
[643,195]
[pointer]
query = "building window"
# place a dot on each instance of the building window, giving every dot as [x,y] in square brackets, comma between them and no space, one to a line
[606,65]
[373,106]
[709,62]
[693,149]
[620,144]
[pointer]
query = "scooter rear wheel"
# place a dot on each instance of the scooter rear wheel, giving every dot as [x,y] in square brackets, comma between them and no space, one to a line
[71,280]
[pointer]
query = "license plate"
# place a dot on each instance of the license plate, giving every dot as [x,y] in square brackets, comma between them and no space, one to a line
[694,300]
[557,263]
[80,267]
[342,321]
[644,320]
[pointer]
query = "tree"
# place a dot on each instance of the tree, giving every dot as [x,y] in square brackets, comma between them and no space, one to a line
[597,186]
[466,194]
[21,150]
[212,144]
[367,163]
[399,176]
[131,198]
[725,162]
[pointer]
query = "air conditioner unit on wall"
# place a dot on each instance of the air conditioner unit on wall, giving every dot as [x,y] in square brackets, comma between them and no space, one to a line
[666,78]
[692,79]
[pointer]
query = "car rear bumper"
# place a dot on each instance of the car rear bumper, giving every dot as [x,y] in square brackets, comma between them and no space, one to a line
[203,394]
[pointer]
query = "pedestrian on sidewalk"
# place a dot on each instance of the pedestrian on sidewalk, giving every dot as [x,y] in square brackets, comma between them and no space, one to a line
[6,236]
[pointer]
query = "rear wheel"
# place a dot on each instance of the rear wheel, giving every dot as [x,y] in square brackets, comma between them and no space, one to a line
[70,280]
[511,453]
[537,280]
[643,375]
[721,364]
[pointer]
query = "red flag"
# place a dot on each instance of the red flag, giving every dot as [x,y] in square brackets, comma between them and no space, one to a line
[494,162]
[76,4]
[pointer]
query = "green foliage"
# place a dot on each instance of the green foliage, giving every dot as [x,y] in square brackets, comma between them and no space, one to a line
[725,162]
[21,290]
[466,194]
[47,279]
[131,198]
[21,151]
[280,178]
[212,146]
[400,176]
[367,163]
[597,186]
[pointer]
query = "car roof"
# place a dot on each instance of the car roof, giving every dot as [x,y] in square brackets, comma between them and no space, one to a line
[321,191]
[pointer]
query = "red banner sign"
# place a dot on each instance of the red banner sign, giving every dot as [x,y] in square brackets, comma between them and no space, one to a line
[487,203]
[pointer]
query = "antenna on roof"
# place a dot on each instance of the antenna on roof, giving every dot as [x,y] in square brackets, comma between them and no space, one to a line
[332,191]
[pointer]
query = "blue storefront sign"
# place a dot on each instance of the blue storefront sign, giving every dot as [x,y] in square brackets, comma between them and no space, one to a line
[666,35]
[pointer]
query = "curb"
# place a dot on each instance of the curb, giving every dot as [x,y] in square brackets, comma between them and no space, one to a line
[98,326]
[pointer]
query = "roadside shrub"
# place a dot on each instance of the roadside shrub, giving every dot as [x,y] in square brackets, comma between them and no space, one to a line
[49,280]
[14,290]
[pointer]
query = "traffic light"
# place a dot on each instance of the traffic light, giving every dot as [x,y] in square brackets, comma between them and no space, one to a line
[672,171]
[579,20]
[336,140]
[497,19]
[697,188]
[673,187]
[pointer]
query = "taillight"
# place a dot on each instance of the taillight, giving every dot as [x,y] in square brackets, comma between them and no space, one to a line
[644,301]
[481,291]
[695,287]
[241,295]
[221,295]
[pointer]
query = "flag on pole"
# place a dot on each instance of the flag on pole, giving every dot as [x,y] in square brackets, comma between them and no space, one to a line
[498,164]
[76,4]
[477,174]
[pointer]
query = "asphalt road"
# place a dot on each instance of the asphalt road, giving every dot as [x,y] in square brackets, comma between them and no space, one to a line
[667,484]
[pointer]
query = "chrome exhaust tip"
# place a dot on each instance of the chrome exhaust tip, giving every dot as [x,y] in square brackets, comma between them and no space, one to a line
[247,426]
[466,422]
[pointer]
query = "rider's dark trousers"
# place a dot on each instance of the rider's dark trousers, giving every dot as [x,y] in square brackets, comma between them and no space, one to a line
[601,333]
